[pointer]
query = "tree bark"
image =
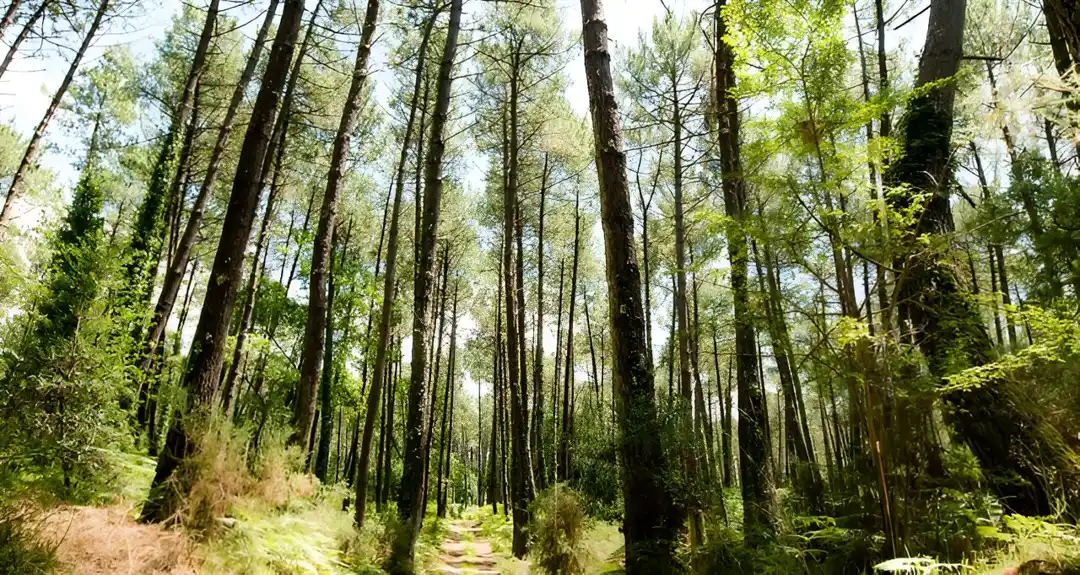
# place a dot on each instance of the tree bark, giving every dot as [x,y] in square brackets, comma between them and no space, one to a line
[1025,461]
[410,497]
[538,352]
[563,469]
[389,282]
[448,407]
[315,326]
[205,359]
[652,520]
[760,519]
[326,425]
[174,270]
[30,155]
[13,49]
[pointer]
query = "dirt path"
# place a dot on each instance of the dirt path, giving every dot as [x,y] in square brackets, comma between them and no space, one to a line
[464,552]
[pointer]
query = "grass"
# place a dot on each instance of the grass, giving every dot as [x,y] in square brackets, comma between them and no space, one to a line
[306,536]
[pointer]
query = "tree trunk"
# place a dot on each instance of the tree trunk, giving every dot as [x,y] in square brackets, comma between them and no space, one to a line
[30,155]
[1063,25]
[725,414]
[315,326]
[652,520]
[174,270]
[410,497]
[448,407]
[563,470]
[9,16]
[520,460]
[389,283]
[326,429]
[13,49]
[807,477]
[1024,460]
[537,437]
[760,517]
[205,359]
[144,251]
[494,487]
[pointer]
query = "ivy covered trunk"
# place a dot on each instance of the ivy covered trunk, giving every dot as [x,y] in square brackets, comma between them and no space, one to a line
[1023,458]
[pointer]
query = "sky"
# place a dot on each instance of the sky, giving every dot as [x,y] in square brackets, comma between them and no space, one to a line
[28,85]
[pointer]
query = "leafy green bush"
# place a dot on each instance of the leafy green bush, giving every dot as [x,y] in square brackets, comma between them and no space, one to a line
[558,528]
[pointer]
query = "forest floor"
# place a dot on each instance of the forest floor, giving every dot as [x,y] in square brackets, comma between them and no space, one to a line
[464,551]
[284,524]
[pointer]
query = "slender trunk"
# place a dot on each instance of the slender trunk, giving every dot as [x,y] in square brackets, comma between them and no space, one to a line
[205,360]
[9,16]
[250,292]
[30,155]
[494,475]
[13,49]
[315,326]
[326,425]
[563,471]
[652,519]
[592,345]
[807,478]
[537,437]
[433,385]
[177,263]
[555,380]
[755,468]
[389,282]
[448,410]
[410,496]
[144,251]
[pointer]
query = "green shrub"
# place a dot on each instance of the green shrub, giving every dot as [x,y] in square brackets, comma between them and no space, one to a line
[558,528]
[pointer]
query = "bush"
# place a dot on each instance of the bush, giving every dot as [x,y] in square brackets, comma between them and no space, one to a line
[558,527]
[22,550]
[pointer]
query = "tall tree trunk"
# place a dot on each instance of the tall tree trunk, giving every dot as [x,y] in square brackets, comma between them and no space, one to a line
[807,477]
[144,251]
[1024,460]
[174,270]
[9,16]
[563,470]
[389,282]
[494,476]
[448,407]
[326,392]
[1063,25]
[205,359]
[555,380]
[725,414]
[703,417]
[433,386]
[520,460]
[410,497]
[315,326]
[760,517]
[690,449]
[537,437]
[13,49]
[250,292]
[652,519]
[30,155]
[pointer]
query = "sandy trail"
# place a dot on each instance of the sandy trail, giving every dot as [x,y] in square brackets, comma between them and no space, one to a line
[462,552]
